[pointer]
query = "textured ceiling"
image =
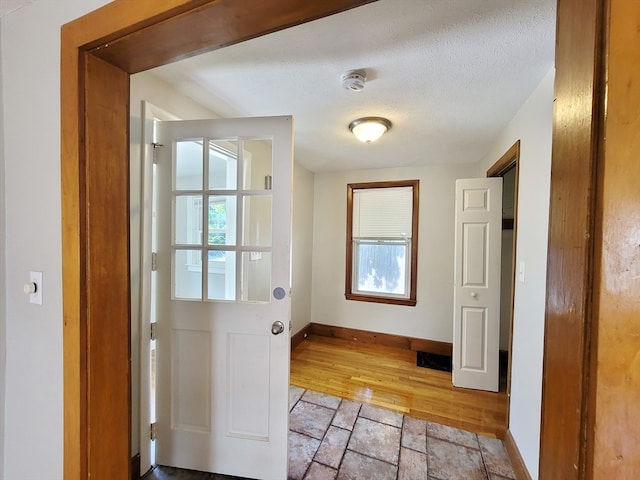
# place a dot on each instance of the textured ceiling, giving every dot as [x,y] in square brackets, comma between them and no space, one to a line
[8,6]
[449,74]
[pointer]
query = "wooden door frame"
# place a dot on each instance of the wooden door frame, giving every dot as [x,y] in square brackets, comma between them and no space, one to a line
[510,159]
[578,116]
[98,53]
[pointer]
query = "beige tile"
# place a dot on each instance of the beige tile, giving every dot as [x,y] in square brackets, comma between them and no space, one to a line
[332,447]
[321,399]
[320,472]
[301,452]
[295,393]
[495,456]
[414,434]
[493,476]
[413,465]
[347,414]
[376,440]
[448,461]
[381,415]
[309,419]
[375,450]
[453,435]
[360,467]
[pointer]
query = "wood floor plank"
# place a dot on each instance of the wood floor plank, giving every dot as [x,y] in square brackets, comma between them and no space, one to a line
[388,377]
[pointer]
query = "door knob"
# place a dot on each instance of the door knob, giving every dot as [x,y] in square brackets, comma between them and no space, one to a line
[474,294]
[277,327]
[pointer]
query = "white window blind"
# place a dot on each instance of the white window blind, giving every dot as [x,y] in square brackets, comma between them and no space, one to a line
[382,212]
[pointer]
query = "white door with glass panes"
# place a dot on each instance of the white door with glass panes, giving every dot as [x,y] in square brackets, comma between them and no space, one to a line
[476,324]
[224,223]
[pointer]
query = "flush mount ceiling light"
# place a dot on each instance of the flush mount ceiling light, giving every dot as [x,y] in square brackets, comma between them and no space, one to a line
[369,129]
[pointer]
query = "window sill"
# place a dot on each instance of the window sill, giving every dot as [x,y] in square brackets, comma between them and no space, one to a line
[409,302]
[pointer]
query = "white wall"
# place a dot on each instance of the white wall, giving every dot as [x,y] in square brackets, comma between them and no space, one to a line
[432,316]
[532,125]
[301,247]
[33,413]
[3,306]
[144,86]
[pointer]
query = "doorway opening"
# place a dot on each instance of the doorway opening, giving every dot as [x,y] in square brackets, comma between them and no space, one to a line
[507,167]
[93,442]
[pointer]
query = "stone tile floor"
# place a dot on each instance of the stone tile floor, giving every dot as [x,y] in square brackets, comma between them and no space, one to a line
[335,439]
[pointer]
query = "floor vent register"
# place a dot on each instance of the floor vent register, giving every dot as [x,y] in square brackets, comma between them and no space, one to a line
[434,361]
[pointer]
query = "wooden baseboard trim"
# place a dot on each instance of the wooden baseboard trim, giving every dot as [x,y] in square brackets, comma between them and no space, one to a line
[519,467]
[135,467]
[386,339]
[299,337]
[431,346]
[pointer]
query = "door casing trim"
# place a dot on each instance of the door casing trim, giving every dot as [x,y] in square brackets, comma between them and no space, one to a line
[510,159]
[125,37]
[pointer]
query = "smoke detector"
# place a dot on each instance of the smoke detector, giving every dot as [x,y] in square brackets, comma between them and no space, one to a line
[353,80]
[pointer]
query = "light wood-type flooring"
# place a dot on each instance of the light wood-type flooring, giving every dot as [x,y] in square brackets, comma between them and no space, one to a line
[389,378]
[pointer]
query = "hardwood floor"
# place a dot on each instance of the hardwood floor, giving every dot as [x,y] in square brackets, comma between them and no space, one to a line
[388,377]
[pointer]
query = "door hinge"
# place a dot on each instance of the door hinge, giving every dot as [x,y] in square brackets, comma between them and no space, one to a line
[153,331]
[155,148]
[152,431]
[154,261]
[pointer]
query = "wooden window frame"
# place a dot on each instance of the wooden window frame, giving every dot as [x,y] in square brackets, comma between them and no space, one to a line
[413,278]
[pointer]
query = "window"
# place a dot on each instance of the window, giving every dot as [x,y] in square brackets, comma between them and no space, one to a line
[221,219]
[382,242]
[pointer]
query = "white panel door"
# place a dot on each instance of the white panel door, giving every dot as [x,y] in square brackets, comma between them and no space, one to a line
[224,226]
[476,325]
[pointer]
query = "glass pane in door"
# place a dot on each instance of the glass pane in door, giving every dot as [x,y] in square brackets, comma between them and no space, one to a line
[221,223]
[221,276]
[223,164]
[256,276]
[188,165]
[257,221]
[187,274]
[188,217]
[257,164]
